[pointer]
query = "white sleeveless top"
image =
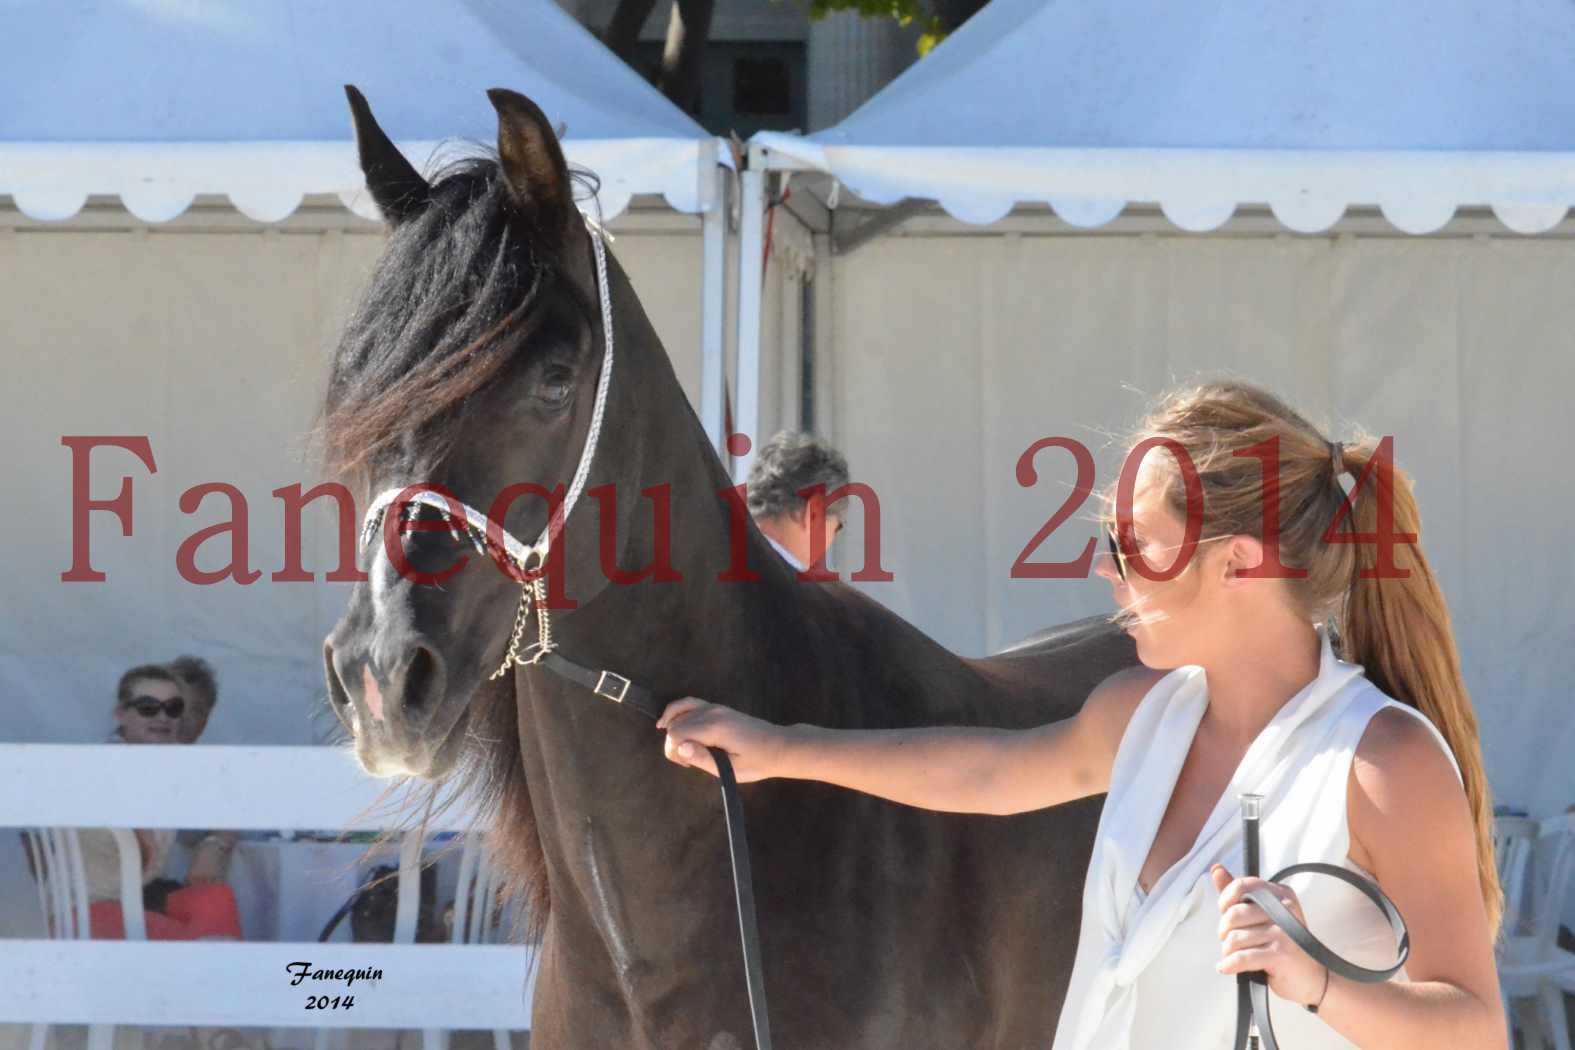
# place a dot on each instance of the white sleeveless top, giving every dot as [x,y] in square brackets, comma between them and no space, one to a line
[1143,977]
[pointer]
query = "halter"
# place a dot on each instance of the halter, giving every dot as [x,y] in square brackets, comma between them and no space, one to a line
[491,539]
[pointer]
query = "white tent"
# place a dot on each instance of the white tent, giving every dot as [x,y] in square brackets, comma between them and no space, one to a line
[952,347]
[1418,108]
[205,331]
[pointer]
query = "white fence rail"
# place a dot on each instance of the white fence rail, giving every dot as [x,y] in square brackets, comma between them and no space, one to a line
[169,786]
[423,986]
[426,986]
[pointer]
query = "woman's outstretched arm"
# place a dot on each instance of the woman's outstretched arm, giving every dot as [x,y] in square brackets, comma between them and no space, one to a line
[956,769]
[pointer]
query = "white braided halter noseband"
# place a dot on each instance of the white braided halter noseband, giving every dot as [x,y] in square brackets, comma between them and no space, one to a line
[483,532]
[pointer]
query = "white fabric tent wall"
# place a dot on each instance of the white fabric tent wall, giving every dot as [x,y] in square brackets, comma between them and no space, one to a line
[954,351]
[210,336]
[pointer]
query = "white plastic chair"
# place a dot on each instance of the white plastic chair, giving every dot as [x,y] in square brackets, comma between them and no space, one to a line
[475,920]
[55,855]
[1513,839]
[1536,862]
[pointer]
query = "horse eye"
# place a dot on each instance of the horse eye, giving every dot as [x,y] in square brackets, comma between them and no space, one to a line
[556,385]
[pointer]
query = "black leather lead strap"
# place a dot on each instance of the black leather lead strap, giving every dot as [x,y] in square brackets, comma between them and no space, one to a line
[620,690]
[1252,996]
[744,894]
[606,684]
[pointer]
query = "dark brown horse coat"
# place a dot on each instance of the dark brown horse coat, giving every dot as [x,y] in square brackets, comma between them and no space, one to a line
[883,926]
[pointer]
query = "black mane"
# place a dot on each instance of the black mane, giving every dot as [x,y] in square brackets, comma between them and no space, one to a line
[458,291]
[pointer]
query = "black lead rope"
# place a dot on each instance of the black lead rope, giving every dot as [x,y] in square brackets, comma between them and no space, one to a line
[1252,989]
[744,893]
[617,688]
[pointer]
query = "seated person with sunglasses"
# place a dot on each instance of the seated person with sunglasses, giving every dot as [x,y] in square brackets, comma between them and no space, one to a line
[149,705]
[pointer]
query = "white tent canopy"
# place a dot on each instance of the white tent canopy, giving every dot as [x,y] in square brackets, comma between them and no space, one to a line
[159,100]
[1419,108]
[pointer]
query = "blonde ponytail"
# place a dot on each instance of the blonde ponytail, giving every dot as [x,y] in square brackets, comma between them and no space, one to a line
[1396,624]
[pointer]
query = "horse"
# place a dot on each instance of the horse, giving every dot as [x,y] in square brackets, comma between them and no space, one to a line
[472,362]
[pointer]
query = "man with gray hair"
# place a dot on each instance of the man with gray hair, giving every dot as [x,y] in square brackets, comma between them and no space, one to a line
[789,482]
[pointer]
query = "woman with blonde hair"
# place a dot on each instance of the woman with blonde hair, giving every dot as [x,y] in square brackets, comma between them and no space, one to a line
[1294,644]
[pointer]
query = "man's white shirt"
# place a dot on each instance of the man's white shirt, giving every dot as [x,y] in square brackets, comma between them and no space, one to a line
[787,555]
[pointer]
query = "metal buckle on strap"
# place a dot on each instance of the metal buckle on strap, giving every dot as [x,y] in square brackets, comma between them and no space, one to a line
[617,693]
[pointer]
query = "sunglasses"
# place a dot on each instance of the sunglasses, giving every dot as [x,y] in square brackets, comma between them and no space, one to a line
[1120,558]
[1115,552]
[148,706]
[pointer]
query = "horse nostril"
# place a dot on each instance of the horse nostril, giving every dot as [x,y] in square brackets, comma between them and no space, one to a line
[419,674]
[337,695]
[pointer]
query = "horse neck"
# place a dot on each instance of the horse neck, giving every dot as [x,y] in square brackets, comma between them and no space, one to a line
[784,649]
[689,635]
[772,645]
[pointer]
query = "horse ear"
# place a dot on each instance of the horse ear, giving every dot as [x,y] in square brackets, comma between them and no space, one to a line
[534,170]
[398,189]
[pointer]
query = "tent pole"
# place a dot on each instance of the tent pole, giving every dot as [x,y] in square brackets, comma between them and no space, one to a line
[751,275]
[713,332]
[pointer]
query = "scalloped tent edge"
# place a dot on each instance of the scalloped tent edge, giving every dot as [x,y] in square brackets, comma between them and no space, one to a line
[1198,190]
[1416,107]
[267,181]
[158,182]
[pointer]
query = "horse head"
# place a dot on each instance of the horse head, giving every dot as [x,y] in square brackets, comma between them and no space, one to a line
[470,365]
